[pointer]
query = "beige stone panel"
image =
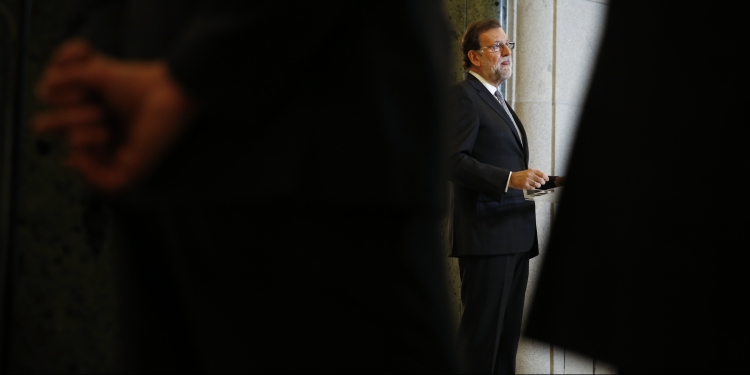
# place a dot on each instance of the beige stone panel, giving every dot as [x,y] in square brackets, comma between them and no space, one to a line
[558,360]
[533,56]
[531,92]
[537,121]
[576,363]
[533,357]
[566,126]
[579,30]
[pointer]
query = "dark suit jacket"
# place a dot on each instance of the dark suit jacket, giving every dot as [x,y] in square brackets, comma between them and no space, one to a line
[484,150]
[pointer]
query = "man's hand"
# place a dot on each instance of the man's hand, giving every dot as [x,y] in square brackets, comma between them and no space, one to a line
[118,117]
[528,179]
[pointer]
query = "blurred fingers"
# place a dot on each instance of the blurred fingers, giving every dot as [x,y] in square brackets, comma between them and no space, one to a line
[108,176]
[89,136]
[67,118]
[60,95]
[71,51]
[71,83]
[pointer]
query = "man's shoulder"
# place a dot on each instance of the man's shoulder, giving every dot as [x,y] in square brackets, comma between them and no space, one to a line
[462,91]
[465,82]
[461,86]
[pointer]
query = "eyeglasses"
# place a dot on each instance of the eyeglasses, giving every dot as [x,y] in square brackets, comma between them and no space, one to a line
[497,46]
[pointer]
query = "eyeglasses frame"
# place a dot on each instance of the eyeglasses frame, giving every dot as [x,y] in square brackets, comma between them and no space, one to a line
[499,46]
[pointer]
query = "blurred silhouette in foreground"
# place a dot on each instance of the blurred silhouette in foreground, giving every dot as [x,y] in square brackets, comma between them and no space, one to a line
[274,175]
[641,272]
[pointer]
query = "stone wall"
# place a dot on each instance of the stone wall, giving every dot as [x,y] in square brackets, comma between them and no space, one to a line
[62,310]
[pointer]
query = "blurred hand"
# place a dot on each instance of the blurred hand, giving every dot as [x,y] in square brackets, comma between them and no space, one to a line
[528,179]
[117,116]
[559,180]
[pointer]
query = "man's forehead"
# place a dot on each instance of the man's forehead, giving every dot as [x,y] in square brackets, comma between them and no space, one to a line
[494,35]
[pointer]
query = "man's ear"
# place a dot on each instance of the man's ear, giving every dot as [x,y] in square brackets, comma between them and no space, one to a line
[474,58]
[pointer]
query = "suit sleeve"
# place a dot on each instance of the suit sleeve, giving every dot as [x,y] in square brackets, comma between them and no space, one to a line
[464,169]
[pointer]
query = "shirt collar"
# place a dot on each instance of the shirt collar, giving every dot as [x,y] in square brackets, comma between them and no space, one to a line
[486,84]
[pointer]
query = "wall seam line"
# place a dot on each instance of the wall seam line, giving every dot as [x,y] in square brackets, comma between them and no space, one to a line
[554,90]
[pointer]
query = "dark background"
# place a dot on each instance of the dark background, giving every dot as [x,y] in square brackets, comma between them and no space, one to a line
[58,309]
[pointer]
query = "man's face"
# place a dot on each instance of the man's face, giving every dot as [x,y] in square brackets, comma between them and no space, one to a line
[496,67]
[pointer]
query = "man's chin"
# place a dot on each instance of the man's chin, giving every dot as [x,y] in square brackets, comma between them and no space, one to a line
[504,74]
[501,75]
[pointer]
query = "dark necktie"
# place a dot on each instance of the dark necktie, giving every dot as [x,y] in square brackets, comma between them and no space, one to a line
[500,99]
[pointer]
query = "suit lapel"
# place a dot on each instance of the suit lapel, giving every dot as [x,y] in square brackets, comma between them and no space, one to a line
[525,145]
[491,100]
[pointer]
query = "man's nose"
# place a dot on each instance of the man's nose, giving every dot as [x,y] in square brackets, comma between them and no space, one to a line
[504,50]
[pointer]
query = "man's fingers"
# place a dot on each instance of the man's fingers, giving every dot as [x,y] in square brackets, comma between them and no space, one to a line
[90,136]
[84,128]
[65,119]
[61,83]
[108,176]
[72,51]
[150,107]
[62,96]
[536,178]
[78,74]
[56,88]
[540,176]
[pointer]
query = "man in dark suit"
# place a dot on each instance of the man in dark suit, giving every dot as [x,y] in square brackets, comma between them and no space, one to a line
[278,210]
[494,226]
